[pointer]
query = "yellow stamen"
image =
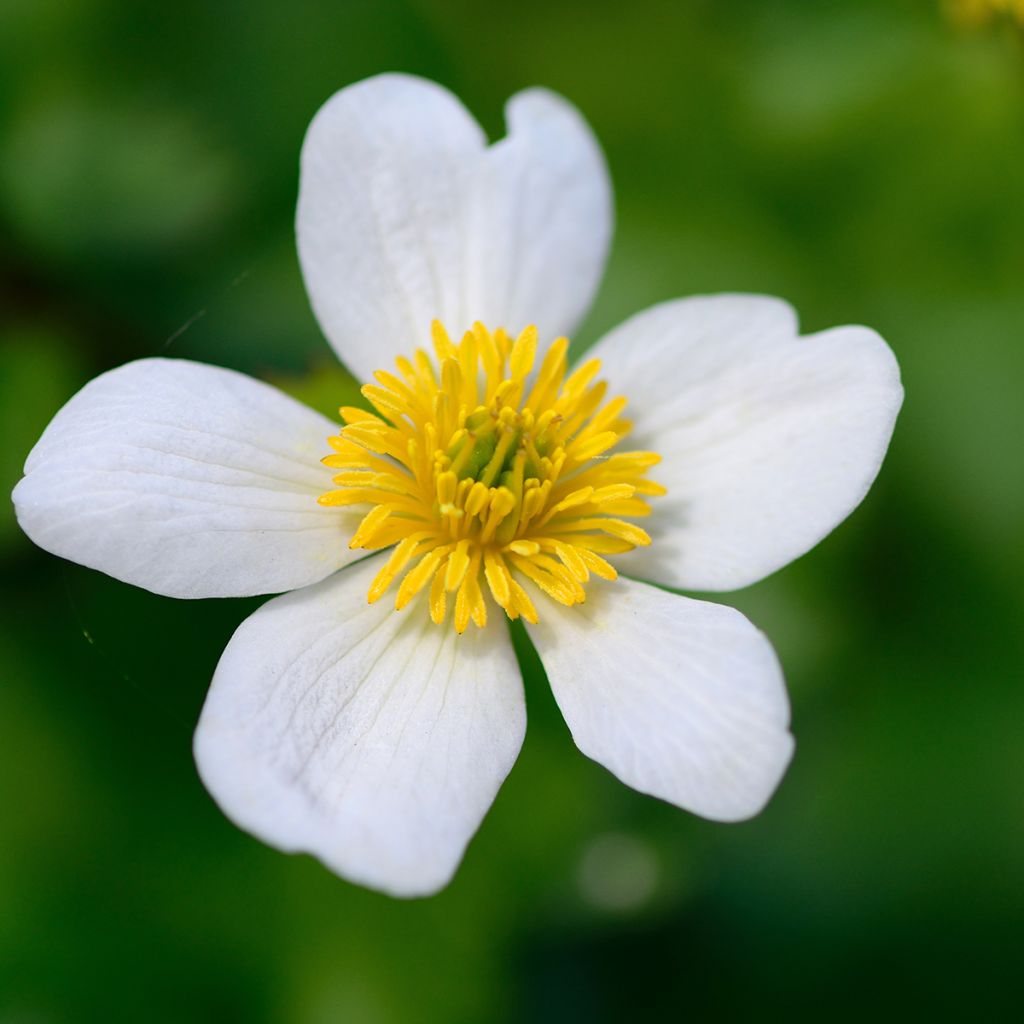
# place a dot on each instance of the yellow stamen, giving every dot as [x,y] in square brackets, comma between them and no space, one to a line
[478,487]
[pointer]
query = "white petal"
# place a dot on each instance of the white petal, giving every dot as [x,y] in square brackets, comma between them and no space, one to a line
[769,440]
[370,738]
[405,215]
[188,480]
[542,220]
[678,698]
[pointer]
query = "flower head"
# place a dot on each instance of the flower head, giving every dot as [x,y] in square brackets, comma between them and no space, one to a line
[492,481]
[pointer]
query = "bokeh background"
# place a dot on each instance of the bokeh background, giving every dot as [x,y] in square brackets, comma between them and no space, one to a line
[864,160]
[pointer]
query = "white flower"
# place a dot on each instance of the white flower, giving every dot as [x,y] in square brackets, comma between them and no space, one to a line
[376,739]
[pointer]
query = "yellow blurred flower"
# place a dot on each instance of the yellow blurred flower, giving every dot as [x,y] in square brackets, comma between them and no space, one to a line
[977,13]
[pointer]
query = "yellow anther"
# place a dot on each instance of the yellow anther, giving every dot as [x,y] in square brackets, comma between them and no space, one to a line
[498,578]
[524,351]
[595,446]
[476,500]
[370,526]
[438,596]
[398,560]
[416,580]
[458,564]
[579,379]
[596,564]
[445,486]
[579,497]
[572,560]
[350,414]
[522,603]
[442,343]
[524,547]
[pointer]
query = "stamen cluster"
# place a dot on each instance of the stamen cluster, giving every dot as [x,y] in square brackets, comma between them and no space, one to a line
[478,474]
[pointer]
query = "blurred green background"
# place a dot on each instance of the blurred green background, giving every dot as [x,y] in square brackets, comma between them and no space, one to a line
[863,160]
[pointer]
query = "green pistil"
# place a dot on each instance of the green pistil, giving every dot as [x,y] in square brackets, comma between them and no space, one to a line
[487,451]
[499,453]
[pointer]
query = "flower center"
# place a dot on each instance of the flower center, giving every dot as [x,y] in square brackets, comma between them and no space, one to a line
[480,475]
